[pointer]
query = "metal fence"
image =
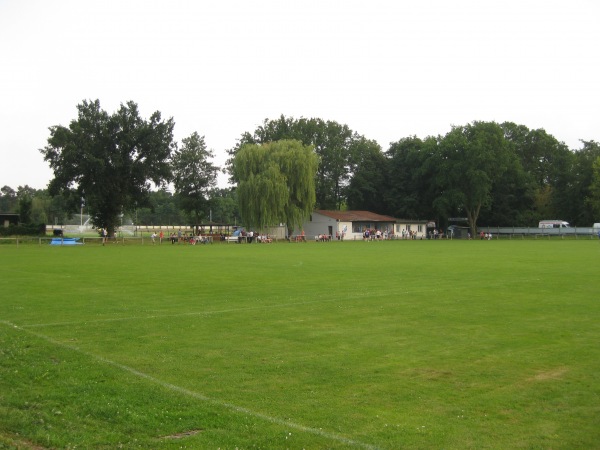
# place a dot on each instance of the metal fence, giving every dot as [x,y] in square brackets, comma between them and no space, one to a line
[542,233]
[88,240]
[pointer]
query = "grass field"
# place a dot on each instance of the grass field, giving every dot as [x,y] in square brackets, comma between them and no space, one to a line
[381,345]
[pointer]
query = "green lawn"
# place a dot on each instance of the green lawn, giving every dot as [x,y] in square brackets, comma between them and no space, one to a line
[401,344]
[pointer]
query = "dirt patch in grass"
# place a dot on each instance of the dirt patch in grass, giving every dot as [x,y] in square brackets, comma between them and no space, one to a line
[430,373]
[554,374]
[183,434]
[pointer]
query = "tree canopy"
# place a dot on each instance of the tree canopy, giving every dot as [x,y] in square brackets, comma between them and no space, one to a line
[110,160]
[470,161]
[366,190]
[334,144]
[275,183]
[593,198]
[194,176]
[494,174]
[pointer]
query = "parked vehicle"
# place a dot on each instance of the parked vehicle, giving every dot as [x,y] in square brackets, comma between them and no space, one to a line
[553,224]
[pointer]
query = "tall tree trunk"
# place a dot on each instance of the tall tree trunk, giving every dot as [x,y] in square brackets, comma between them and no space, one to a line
[472,215]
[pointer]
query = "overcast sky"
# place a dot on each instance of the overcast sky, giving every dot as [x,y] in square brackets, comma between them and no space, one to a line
[387,69]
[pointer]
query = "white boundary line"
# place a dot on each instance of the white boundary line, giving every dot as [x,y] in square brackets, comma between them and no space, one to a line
[197,395]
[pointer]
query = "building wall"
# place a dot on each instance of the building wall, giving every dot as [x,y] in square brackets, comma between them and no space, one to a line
[319,224]
[420,228]
[316,225]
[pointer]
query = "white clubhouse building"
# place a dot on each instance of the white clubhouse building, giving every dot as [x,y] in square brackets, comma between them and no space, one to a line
[350,225]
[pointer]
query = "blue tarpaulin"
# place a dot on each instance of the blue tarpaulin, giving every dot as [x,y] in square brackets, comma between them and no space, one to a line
[65,241]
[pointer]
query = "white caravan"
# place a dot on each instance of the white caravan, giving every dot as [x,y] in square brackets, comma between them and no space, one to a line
[554,224]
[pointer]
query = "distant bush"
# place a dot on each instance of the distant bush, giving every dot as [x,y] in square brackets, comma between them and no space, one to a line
[24,230]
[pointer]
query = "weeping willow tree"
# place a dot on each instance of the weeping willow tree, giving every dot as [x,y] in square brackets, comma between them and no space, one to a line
[276,183]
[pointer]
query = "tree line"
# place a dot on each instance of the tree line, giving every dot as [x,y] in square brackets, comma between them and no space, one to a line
[37,206]
[491,174]
[122,165]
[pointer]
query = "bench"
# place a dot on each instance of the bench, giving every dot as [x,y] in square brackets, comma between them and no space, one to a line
[236,239]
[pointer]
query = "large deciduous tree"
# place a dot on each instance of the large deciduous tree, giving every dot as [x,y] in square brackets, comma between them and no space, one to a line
[109,159]
[194,176]
[8,200]
[276,183]
[410,191]
[333,143]
[25,208]
[579,190]
[367,188]
[593,199]
[548,164]
[470,160]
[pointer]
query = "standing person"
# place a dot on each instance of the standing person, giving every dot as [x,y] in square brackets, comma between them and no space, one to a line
[104,235]
[161,235]
[153,236]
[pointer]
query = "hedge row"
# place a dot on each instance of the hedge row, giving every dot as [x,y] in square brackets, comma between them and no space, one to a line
[24,230]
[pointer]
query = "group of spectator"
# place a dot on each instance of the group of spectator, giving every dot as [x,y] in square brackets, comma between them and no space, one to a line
[375,235]
[252,236]
[436,234]
[179,237]
[408,234]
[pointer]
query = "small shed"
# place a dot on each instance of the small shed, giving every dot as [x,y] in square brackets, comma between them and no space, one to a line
[8,219]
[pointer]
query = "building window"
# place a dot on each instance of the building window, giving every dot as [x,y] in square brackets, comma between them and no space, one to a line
[359,227]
